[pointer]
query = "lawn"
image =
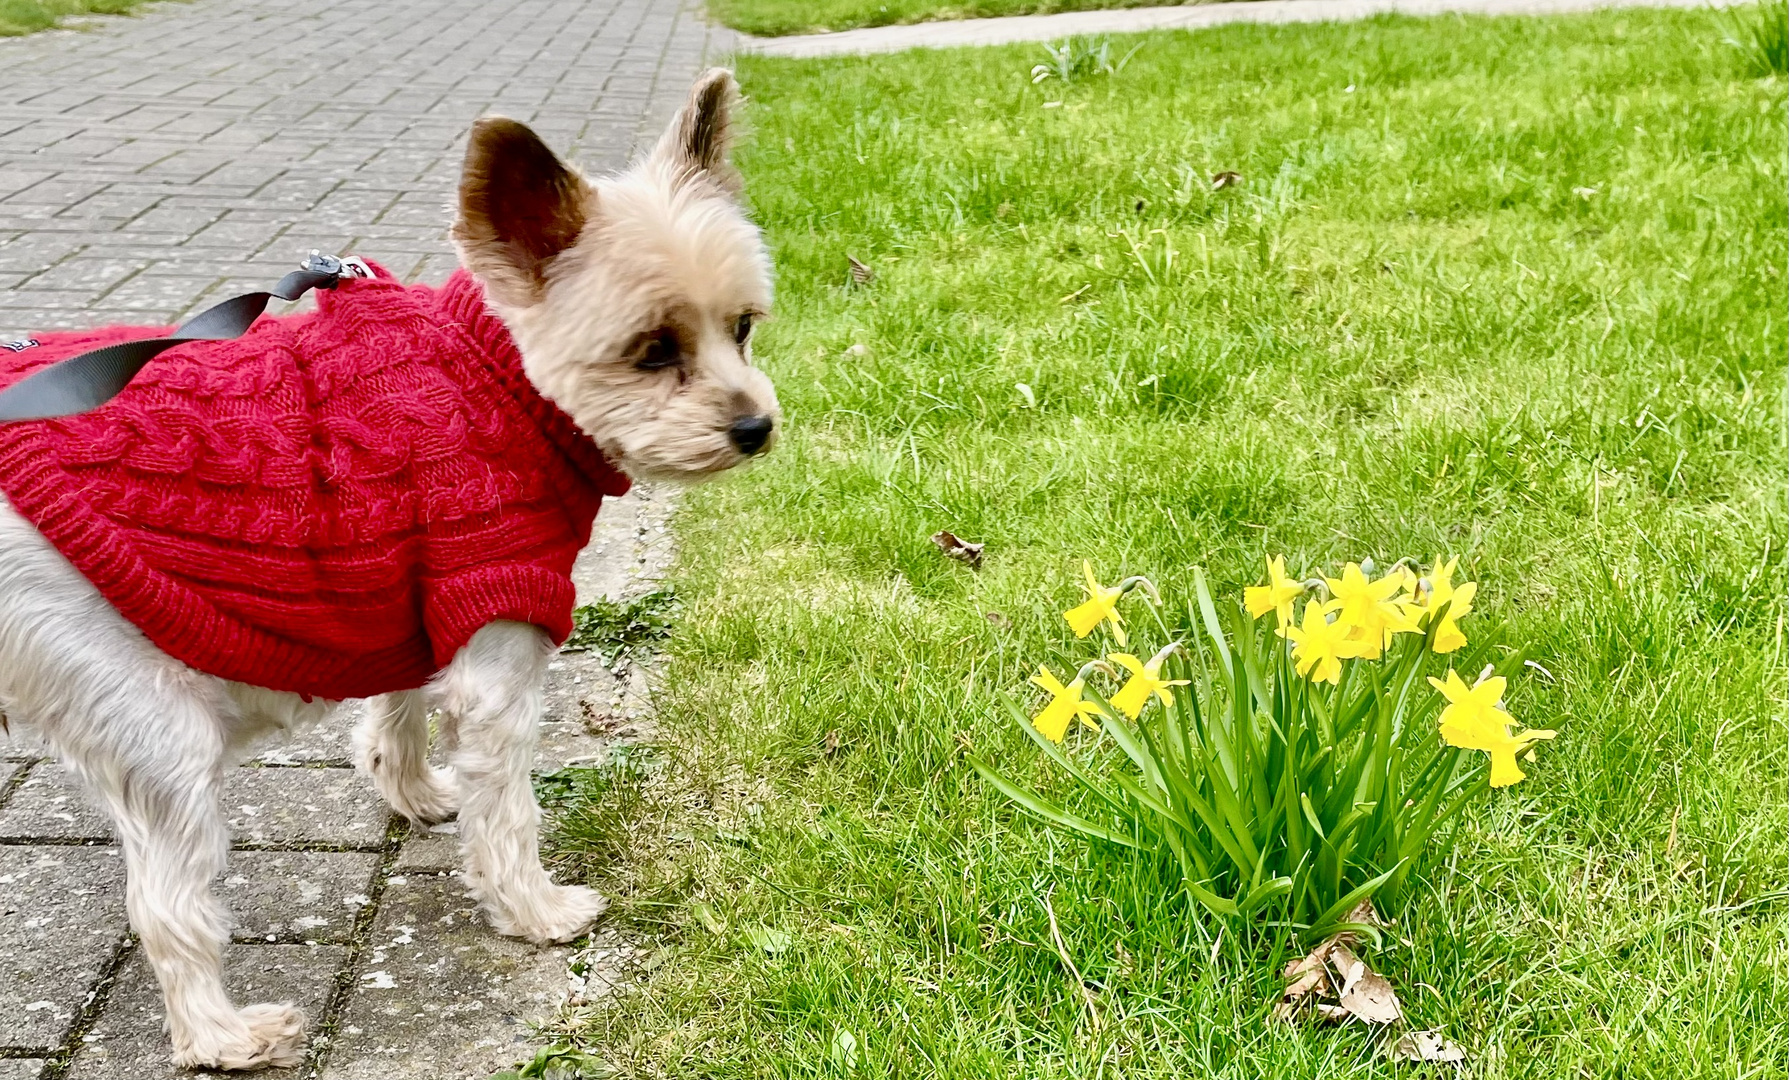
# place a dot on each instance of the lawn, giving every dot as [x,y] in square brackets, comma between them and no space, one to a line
[770,18]
[29,16]
[1511,290]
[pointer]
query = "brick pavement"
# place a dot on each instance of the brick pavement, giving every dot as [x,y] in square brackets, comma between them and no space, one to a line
[148,167]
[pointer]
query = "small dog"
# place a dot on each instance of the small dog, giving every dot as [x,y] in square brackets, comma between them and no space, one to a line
[630,300]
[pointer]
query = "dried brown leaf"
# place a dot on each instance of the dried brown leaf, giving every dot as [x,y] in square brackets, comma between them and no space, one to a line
[960,550]
[860,272]
[1364,992]
[1431,1046]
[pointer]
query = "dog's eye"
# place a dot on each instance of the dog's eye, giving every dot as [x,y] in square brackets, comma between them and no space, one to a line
[659,352]
[742,329]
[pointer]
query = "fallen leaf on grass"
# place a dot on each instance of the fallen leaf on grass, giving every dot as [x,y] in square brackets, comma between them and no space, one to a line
[960,550]
[705,915]
[830,744]
[1427,1046]
[861,274]
[1365,993]
[771,941]
[1337,985]
[1225,179]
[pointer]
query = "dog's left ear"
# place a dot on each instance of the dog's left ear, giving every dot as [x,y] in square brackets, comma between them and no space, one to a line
[697,141]
[520,206]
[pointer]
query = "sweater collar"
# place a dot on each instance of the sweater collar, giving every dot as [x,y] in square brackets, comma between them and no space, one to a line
[463,302]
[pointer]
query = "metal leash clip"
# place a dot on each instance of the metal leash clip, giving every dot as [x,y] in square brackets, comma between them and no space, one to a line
[351,266]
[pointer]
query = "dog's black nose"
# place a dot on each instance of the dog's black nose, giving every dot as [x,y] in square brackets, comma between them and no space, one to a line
[751,433]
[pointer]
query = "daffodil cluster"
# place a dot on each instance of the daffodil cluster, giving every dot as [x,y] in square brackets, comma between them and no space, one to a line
[1355,616]
[1067,703]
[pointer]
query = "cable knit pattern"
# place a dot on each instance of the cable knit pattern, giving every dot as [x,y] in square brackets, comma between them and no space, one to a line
[332,504]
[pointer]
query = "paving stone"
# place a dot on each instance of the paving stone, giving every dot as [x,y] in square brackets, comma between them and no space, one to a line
[297,896]
[128,1042]
[61,918]
[282,807]
[434,850]
[52,805]
[264,807]
[21,1068]
[440,995]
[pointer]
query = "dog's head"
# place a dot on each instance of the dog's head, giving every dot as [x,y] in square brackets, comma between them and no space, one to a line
[631,297]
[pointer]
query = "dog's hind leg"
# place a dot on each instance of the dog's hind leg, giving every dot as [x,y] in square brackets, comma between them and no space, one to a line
[149,736]
[391,745]
[492,689]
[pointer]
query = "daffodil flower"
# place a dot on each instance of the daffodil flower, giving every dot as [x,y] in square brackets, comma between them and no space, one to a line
[1473,721]
[1458,599]
[1145,680]
[1277,595]
[1066,703]
[1366,609]
[1319,646]
[1101,606]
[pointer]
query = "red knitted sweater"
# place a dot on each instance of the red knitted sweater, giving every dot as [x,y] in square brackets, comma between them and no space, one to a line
[331,504]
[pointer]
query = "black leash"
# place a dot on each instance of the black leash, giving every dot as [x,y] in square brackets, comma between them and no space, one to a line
[82,383]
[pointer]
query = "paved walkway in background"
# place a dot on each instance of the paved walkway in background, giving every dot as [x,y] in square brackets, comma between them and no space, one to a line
[148,167]
[944,35]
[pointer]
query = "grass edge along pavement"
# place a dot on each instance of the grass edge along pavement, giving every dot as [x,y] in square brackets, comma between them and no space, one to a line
[19,17]
[780,18]
[1508,290]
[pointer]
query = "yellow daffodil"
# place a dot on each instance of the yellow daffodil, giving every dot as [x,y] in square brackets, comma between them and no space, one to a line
[1472,721]
[1277,595]
[1145,680]
[1319,646]
[1101,606]
[1066,703]
[1458,599]
[1366,610]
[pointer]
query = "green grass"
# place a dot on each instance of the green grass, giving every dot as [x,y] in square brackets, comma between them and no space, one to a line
[771,18]
[29,16]
[1509,289]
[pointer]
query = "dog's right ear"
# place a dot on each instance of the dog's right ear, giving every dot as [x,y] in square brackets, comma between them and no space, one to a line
[520,206]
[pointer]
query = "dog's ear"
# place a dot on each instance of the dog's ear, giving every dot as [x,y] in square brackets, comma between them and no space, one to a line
[698,139]
[520,206]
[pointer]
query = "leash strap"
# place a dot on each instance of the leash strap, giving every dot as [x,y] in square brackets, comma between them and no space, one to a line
[83,383]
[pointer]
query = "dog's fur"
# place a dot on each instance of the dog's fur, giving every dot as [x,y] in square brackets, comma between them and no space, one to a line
[626,297]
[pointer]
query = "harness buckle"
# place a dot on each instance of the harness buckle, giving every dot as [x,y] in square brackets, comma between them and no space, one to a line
[319,263]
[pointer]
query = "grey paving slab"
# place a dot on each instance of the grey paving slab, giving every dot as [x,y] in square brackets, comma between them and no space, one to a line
[52,805]
[21,1068]
[264,807]
[331,117]
[128,1043]
[439,994]
[1015,28]
[297,897]
[61,918]
[285,807]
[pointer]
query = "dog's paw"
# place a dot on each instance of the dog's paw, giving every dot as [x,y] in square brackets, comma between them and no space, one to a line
[559,913]
[428,799]
[263,1036]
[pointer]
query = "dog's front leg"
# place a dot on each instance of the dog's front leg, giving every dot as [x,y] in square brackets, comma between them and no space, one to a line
[391,745]
[492,689]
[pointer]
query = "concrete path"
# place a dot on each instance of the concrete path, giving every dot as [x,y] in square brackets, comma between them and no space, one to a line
[150,166]
[944,35]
